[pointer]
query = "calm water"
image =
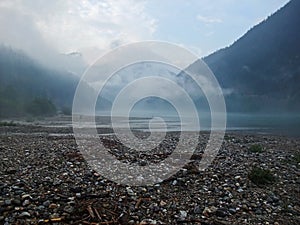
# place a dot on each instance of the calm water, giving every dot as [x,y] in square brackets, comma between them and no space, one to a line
[265,124]
[284,124]
[288,125]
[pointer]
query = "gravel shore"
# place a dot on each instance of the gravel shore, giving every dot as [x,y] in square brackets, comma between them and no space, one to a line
[45,180]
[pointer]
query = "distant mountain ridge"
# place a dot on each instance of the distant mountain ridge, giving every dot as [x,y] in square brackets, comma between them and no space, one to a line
[24,83]
[22,80]
[262,68]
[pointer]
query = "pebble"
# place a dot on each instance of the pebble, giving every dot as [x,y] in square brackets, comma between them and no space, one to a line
[130,191]
[258,212]
[16,201]
[221,212]
[78,195]
[24,214]
[183,214]
[197,210]
[209,210]
[232,210]
[26,196]
[68,209]
[26,202]
[7,202]
[46,203]
[52,206]
[245,207]
[55,182]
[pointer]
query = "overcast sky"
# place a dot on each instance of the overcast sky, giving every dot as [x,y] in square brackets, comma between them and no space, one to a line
[92,27]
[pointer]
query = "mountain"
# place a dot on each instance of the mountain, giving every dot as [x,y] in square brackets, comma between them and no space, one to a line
[29,88]
[23,81]
[262,68]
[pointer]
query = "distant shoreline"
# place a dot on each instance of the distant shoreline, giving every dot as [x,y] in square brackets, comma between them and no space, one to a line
[236,123]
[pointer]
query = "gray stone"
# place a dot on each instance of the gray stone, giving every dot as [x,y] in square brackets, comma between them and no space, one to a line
[232,210]
[7,202]
[68,209]
[197,210]
[24,214]
[26,202]
[221,212]
[46,203]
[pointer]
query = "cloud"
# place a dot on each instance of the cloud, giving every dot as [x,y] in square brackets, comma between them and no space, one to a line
[208,20]
[66,26]
[19,31]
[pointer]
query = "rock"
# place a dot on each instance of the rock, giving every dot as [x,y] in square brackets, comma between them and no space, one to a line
[269,200]
[7,202]
[197,210]
[221,212]
[183,214]
[26,196]
[16,201]
[143,163]
[41,207]
[232,210]
[130,191]
[258,212]
[162,203]
[68,209]
[46,203]
[240,190]
[26,202]
[52,206]
[275,199]
[148,221]
[209,210]
[24,214]
[245,207]
[78,195]
[11,170]
[54,216]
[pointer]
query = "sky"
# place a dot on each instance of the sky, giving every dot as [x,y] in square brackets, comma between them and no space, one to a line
[92,27]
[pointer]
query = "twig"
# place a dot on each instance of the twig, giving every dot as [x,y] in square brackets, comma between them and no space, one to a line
[108,222]
[90,210]
[97,214]
[111,212]
[138,203]
[82,220]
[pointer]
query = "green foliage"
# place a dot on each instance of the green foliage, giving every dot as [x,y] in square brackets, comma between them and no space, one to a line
[256,148]
[41,107]
[261,176]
